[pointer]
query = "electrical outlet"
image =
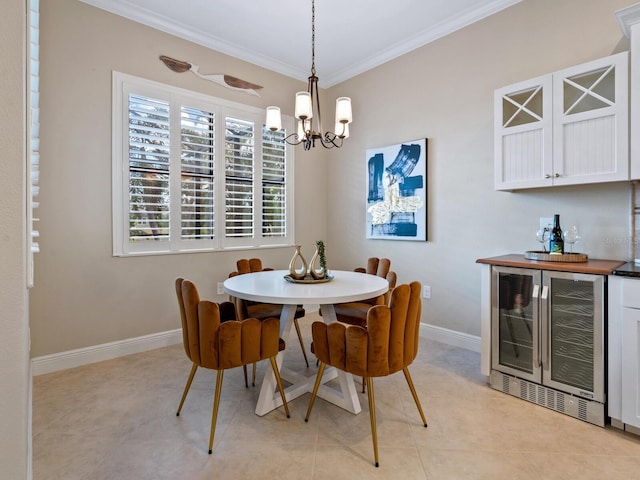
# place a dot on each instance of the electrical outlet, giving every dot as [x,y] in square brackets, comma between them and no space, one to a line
[426,291]
[220,288]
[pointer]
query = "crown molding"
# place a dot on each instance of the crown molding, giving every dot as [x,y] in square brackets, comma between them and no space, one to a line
[627,17]
[152,19]
[423,38]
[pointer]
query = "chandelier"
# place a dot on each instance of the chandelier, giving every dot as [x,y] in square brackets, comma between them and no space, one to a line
[307,110]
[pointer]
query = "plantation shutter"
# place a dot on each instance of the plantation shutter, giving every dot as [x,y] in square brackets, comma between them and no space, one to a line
[273,184]
[197,167]
[149,145]
[33,135]
[195,173]
[239,173]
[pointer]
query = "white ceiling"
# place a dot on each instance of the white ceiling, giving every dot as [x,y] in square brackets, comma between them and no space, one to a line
[352,36]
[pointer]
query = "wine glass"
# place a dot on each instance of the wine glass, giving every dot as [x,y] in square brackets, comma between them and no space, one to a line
[571,236]
[542,236]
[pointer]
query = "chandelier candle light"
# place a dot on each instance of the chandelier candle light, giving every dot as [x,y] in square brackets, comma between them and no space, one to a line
[307,110]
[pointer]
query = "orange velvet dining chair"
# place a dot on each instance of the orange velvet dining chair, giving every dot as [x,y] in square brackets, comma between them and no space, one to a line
[355,313]
[247,309]
[210,342]
[388,344]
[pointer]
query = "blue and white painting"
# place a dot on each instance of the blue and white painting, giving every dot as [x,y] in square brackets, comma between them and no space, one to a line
[397,191]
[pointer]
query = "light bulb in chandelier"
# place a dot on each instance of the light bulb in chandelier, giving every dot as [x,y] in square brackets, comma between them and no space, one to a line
[274,120]
[342,130]
[343,110]
[301,131]
[303,109]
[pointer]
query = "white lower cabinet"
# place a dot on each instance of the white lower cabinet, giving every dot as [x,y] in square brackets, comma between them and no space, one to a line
[630,366]
[630,372]
[624,350]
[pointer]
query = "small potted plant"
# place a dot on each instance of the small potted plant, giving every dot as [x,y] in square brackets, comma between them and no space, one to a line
[318,258]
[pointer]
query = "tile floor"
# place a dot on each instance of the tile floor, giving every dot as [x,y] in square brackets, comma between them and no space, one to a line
[116,420]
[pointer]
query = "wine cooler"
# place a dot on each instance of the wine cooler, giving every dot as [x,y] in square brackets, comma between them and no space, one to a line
[547,334]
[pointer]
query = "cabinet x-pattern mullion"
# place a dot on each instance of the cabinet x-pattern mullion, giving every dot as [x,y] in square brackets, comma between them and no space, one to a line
[522,107]
[589,91]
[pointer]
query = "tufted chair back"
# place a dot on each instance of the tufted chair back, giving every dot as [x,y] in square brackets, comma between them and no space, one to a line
[355,313]
[243,307]
[188,299]
[376,266]
[193,305]
[388,344]
[217,345]
[251,265]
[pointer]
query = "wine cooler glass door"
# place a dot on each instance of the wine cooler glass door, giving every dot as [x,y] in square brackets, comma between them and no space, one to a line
[515,324]
[572,332]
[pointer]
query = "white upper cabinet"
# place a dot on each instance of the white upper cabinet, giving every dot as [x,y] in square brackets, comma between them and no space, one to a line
[523,134]
[565,128]
[591,122]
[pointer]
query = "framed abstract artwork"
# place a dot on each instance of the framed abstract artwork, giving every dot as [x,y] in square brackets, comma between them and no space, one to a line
[397,191]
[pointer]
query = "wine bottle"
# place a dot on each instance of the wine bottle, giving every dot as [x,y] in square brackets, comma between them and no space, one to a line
[556,244]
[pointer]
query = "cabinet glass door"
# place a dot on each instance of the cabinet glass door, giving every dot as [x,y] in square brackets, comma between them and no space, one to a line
[572,354]
[522,134]
[515,322]
[590,122]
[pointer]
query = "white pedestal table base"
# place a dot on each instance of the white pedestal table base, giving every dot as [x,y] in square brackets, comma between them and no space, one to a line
[269,399]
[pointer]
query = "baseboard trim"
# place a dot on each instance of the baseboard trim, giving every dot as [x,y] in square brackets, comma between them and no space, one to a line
[451,337]
[105,351]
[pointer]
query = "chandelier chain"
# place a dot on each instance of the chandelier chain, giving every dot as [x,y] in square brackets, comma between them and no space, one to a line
[313,37]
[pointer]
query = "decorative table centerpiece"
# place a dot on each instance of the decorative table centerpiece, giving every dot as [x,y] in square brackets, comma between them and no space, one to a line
[294,272]
[313,272]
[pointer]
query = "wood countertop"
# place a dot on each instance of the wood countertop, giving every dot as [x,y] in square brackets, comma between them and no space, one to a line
[593,266]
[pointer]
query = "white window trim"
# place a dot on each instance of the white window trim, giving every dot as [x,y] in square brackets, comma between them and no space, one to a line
[124,84]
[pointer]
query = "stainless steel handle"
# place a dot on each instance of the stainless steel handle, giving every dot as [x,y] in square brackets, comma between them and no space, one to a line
[536,351]
[556,175]
[544,321]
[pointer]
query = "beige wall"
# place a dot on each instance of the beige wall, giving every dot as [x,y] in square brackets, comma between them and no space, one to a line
[14,326]
[84,296]
[443,91]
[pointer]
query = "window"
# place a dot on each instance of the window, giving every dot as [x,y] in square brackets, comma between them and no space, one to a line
[195,173]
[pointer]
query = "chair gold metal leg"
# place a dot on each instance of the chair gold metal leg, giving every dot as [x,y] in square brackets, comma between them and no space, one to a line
[216,404]
[372,417]
[246,383]
[315,390]
[279,382]
[194,367]
[415,395]
[304,352]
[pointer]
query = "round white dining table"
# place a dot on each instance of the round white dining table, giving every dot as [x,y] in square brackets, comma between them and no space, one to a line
[272,287]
